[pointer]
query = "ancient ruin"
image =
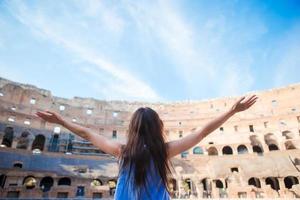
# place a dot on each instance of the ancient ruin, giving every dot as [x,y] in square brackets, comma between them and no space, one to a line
[255,154]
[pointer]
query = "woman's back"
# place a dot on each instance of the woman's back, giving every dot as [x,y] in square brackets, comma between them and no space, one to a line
[155,189]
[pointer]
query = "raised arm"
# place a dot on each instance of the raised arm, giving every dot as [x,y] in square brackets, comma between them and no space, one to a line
[177,146]
[104,144]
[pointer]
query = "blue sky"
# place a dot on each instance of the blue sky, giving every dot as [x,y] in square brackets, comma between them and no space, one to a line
[150,50]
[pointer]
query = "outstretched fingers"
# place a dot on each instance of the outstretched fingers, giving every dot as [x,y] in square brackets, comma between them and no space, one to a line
[252,101]
[241,99]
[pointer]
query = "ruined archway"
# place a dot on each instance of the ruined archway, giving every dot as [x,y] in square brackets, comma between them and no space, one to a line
[271,141]
[242,149]
[46,183]
[172,183]
[112,184]
[273,182]
[219,184]
[288,134]
[96,182]
[289,181]
[23,140]
[255,182]
[227,150]
[256,144]
[197,150]
[38,142]
[273,147]
[8,136]
[54,143]
[212,151]
[289,145]
[64,181]
[29,182]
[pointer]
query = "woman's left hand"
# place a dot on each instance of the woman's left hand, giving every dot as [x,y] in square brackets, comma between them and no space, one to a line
[243,104]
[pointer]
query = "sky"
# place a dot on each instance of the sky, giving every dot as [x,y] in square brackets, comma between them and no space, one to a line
[168,50]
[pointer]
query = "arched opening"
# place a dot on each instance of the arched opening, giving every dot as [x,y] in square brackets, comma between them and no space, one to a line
[256,145]
[289,145]
[271,141]
[23,140]
[187,186]
[18,165]
[212,151]
[242,149]
[227,150]
[46,183]
[289,181]
[38,143]
[206,184]
[172,185]
[255,182]
[2,180]
[219,184]
[197,150]
[273,182]
[54,143]
[288,135]
[273,147]
[257,149]
[64,181]
[8,137]
[184,154]
[96,182]
[29,182]
[112,186]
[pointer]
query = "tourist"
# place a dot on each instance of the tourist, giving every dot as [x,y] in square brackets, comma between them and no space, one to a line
[145,159]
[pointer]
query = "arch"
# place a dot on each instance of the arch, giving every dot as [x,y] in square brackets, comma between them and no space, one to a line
[273,182]
[184,154]
[38,142]
[227,150]
[187,186]
[219,184]
[96,182]
[256,144]
[112,184]
[172,183]
[54,143]
[289,145]
[273,147]
[271,141]
[212,151]
[29,182]
[289,181]
[8,136]
[46,183]
[18,165]
[2,180]
[288,134]
[64,181]
[242,149]
[23,140]
[257,149]
[255,182]
[197,150]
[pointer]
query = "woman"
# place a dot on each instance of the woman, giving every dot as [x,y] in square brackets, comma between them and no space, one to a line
[144,159]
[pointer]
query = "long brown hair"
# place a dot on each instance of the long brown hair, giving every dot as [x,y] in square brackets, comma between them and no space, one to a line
[145,143]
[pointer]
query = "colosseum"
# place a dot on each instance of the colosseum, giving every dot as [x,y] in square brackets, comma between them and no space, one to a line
[253,155]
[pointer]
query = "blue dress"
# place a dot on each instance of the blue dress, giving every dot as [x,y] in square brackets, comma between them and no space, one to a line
[155,188]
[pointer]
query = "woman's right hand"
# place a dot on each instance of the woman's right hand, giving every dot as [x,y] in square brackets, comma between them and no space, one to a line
[51,117]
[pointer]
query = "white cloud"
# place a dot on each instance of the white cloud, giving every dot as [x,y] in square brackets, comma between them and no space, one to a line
[127,85]
[202,55]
